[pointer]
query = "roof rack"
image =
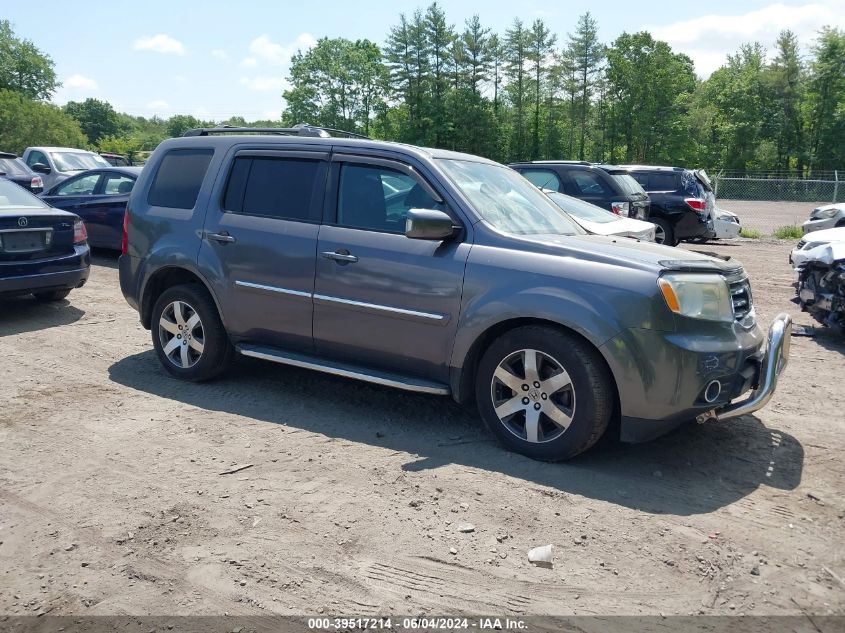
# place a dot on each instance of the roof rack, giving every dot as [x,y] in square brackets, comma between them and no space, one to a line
[301,129]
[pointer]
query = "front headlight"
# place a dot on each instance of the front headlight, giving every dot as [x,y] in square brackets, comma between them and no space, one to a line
[824,214]
[697,296]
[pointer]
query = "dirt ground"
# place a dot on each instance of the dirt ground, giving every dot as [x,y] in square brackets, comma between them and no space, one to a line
[112,499]
[767,216]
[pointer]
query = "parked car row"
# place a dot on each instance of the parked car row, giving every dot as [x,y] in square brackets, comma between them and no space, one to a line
[679,202]
[420,269]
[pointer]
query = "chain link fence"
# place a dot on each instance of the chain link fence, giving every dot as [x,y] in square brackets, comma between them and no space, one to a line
[768,201]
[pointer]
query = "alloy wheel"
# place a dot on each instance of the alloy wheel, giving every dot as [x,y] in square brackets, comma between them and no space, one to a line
[533,396]
[181,334]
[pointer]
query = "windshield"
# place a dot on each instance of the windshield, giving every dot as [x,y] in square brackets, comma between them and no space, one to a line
[15,196]
[507,201]
[582,209]
[77,161]
[627,183]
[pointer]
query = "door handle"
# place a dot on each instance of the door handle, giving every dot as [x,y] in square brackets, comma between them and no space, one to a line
[223,238]
[340,256]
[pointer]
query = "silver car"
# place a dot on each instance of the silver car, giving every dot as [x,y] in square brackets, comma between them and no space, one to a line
[825,217]
[55,164]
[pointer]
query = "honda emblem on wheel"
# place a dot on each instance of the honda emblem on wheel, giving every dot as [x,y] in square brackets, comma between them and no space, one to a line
[22,222]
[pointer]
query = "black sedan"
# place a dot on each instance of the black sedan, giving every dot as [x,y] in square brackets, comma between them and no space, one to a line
[43,251]
[14,169]
[99,197]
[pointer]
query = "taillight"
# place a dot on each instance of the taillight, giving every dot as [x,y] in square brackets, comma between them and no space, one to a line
[36,183]
[124,239]
[80,233]
[620,208]
[697,204]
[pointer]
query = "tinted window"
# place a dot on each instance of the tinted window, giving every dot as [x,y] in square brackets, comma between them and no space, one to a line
[662,182]
[378,198]
[179,178]
[588,184]
[116,184]
[275,187]
[82,186]
[543,178]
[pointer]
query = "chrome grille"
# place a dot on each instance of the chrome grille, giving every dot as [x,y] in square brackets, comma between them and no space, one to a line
[741,299]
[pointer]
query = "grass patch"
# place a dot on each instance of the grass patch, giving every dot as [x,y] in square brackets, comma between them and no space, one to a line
[788,233]
[753,234]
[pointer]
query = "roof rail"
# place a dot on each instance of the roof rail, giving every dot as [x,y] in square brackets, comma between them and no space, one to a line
[567,162]
[8,155]
[301,129]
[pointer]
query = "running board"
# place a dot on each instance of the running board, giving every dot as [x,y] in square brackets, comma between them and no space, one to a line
[343,369]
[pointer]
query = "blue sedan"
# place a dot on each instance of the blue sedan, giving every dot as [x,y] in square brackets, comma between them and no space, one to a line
[99,197]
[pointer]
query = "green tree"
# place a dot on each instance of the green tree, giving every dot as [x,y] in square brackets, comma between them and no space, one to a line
[540,43]
[96,118]
[786,76]
[585,52]
[178,124]
[516,57]
[338,84]
[440,37]
[408,64]
[23,67]
[26,122]
[826,98]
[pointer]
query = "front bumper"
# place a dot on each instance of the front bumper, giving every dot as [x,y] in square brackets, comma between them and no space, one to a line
[773,363]
[662,378]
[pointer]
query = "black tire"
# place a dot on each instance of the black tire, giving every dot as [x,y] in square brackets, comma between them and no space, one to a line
[52,295]
[591,387]
[668,232]
[217,350]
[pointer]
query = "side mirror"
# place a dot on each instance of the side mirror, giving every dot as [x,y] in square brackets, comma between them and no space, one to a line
[428,224]
[41,168]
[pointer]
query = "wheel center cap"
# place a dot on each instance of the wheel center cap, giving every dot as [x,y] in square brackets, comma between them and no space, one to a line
[534,394]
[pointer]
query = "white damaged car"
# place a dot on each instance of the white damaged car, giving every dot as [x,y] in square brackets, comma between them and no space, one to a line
[811,241]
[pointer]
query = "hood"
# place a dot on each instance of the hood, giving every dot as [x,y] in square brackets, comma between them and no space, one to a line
[826,254]
[624,251]
[826,235]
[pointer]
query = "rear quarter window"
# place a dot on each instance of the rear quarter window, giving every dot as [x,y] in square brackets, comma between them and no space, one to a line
[179,178]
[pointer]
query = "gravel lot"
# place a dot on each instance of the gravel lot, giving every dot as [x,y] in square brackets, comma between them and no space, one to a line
[768,216]
[112,499]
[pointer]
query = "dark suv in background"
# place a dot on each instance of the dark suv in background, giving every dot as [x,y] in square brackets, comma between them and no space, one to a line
[435,272]
[682,201]
[606,186]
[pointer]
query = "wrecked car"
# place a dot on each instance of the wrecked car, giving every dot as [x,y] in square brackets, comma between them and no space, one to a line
[821,285]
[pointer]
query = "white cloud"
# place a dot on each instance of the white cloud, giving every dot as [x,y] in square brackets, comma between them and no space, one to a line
[160,43]
[263,49]
[264,84]
[219,53]
[80,83]
[710,38]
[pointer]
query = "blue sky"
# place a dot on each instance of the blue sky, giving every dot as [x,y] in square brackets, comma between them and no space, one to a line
[214,59]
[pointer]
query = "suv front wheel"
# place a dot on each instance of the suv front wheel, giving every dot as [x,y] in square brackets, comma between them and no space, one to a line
[188,335]
[544,393]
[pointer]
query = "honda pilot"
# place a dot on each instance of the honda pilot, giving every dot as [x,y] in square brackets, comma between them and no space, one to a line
[435,272]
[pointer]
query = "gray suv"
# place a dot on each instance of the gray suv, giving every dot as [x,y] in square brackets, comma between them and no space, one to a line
[436,272]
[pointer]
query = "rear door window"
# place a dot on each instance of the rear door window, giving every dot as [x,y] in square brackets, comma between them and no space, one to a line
[116,184]
[275,187]
[588,184]
[543,178]
[661,182]
[179,178]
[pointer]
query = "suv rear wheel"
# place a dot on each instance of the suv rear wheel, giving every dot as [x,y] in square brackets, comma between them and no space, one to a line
[544,393]
[663,232]
[188,335]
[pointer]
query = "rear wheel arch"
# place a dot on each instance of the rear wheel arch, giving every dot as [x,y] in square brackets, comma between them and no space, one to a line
[167,277]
